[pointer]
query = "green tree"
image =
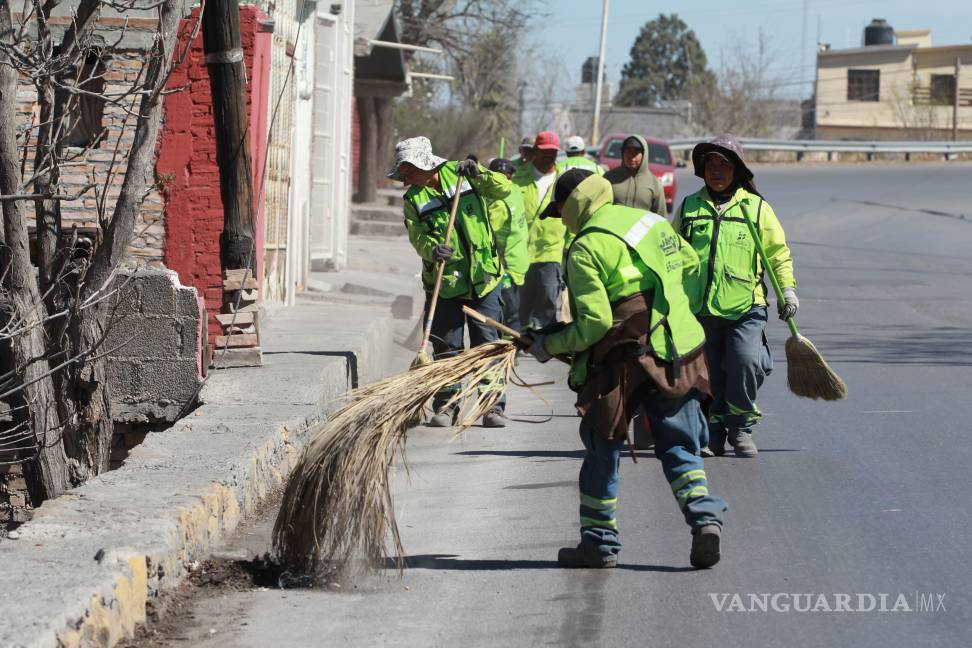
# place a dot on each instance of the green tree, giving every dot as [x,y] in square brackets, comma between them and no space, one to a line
[667,63]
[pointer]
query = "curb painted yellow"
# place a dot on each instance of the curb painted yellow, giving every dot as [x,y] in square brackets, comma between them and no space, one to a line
[107,624]
[218,511]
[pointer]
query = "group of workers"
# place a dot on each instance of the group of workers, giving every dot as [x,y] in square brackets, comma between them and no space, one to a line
[666,317]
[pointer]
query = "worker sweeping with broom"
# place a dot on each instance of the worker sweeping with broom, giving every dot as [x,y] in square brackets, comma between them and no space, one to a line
[634,343]
[448,221]
[733,229]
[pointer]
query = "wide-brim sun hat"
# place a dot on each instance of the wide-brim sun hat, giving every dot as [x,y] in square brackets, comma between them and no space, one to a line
[417,151]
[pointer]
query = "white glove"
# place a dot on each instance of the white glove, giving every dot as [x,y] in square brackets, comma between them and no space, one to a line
[791,305]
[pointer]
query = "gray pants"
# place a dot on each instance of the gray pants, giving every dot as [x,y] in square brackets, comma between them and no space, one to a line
[739,360]
[541,296]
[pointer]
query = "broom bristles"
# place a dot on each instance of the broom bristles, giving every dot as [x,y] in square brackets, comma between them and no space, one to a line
[337,505]
[808,374]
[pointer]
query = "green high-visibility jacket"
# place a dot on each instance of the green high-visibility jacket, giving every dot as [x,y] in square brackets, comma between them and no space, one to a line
[476,267]
[547,236]
[618,252]
[731,279]
[579,162]
[512,234]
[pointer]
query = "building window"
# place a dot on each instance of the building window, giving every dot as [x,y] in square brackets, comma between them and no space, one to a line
[863,85]
[942,89]
[88,107]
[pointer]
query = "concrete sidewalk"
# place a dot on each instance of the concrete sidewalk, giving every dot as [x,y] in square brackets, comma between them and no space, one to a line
[81,572]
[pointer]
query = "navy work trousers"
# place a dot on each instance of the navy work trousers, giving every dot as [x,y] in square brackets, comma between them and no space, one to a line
[448,336]
[739,360]
[680,432]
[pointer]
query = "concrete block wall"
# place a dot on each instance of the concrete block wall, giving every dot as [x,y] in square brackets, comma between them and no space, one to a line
[158,328]
[186,164]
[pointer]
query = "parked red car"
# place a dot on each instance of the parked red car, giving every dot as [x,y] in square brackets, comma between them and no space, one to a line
[660,161]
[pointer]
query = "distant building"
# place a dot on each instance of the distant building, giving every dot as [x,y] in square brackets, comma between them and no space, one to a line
[897,87]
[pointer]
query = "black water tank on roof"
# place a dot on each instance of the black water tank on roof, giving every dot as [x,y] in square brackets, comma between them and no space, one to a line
[589,70]
[879,32]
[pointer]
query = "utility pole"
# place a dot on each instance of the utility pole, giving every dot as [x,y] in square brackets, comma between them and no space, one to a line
[599,83]
[224,60]
[239,345]
[803,43]
[955,100]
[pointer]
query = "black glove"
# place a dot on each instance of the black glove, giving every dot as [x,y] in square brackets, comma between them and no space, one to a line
[468,169]
[537,348]
[789,307]
[443,252]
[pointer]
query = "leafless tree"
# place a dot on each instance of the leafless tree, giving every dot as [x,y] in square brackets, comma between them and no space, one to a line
[746,95]
[482,41]
[54,318]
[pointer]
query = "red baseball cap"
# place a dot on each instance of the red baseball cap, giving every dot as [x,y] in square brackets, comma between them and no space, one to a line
[547,140]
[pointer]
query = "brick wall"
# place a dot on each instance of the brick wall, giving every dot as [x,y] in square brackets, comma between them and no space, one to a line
[186,164]
[123,68]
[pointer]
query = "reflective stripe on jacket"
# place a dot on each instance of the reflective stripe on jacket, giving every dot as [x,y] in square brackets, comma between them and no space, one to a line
[621,251]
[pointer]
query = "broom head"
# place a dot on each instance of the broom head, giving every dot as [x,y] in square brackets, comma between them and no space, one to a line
[808,374]
[337,512]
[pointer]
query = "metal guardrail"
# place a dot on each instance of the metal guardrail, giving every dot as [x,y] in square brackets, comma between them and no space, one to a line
[836,146]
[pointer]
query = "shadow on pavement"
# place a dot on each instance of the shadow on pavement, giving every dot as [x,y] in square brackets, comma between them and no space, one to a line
[562,454]
[451,561]
[895,344]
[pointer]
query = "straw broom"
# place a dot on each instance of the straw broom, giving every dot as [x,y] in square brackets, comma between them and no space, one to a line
[807,373]
[336,516]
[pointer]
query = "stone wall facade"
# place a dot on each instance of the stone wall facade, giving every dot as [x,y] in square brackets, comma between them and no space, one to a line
[104,165]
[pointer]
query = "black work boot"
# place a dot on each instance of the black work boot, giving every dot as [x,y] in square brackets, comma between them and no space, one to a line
[742,443]
[705,546]
[717,442]
[585,555]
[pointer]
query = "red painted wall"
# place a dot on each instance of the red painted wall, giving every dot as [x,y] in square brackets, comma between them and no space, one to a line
[186,163]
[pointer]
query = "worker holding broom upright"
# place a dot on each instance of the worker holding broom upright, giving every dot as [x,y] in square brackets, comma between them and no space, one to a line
[634,343]
[729,294]
[472,267]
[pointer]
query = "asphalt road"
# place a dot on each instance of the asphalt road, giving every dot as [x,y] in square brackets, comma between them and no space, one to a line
[867,496]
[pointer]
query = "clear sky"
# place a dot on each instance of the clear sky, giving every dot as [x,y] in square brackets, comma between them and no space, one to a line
[573,28]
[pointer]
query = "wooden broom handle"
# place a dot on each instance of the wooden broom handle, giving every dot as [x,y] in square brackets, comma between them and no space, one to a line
[442,264]
[503,328]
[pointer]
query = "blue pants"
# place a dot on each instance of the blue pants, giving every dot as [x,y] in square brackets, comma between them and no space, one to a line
[511,307]
[448,339]
[541,295]
[739,360]
[680,432]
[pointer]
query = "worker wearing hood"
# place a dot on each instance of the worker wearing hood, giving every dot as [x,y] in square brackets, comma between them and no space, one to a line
[634,343]
[729,294]
[632,181]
